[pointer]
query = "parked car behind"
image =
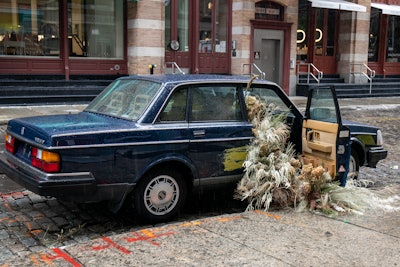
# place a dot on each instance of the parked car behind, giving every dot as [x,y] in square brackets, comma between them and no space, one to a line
[148,141]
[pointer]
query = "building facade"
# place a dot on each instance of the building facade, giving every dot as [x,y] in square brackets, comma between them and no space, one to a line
[109,37]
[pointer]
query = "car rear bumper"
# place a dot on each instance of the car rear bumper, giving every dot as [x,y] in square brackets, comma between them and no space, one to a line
[77,187]
[375,154]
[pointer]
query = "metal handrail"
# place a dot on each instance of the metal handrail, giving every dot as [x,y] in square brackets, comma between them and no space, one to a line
[310,72]
[251,66]
[365,74]
[174,65]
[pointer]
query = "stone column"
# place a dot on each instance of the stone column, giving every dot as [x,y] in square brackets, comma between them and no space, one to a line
[291,16]
[145,40]
[353,43]
[242,13]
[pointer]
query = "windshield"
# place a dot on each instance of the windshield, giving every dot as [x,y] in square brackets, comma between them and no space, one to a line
[124,98]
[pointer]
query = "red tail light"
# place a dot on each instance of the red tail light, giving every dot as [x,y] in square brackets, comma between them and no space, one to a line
[10,144]
[45,160]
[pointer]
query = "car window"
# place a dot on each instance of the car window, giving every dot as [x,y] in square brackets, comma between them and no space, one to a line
[175,109]
[215,103]
[322,106]
[269,96]
[124,98]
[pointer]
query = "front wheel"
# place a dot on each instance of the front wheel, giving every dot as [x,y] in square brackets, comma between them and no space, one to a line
[159,196]
[354,165]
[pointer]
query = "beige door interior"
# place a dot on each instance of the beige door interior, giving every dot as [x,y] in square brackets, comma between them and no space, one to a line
[319,144]
[321,130]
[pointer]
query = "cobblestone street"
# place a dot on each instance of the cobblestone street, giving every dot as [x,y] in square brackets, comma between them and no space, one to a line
[29,223]
[388,119]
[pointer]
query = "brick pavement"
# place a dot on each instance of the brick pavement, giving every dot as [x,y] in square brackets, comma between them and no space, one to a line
[30,223]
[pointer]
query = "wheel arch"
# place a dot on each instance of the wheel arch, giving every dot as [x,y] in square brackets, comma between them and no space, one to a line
[183,165]
[358,146]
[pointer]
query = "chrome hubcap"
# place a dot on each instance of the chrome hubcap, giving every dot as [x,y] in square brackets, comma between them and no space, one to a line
[161,195]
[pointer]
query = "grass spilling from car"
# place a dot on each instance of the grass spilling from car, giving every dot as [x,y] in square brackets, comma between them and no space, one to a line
[275,175]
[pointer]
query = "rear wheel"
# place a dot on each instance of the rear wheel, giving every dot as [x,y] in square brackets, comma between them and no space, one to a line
[354,165]
[159,196]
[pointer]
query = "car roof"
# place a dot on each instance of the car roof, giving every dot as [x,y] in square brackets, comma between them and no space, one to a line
[187,78]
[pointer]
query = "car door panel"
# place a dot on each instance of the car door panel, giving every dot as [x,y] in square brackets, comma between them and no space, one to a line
[218,132]
[319,144]
[325,141]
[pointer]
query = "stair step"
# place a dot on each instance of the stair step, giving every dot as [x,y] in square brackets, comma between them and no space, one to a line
[43,89]
[357,90]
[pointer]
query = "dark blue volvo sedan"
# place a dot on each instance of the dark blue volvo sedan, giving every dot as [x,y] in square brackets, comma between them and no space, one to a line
[150,140]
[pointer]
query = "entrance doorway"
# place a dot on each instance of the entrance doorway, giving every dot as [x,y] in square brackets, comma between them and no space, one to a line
[268,53]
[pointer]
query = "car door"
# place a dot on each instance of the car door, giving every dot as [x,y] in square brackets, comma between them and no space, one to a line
[325,141]
[219,132]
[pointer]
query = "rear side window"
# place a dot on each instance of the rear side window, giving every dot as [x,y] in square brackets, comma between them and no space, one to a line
[215,103]
[269,96]
[203,103]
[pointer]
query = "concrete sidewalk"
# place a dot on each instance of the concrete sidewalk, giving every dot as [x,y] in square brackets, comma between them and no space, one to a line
[256,238]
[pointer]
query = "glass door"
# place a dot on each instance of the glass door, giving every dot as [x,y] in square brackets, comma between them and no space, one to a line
[325,45]
[213,36]
[177,29]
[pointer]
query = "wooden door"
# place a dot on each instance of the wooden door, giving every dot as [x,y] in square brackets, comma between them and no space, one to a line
[325,45]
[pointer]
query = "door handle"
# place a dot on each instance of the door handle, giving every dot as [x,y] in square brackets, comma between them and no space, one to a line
[199,133]
[310,135]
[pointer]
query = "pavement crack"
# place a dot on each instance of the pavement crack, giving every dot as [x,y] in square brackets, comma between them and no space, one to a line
[244,245]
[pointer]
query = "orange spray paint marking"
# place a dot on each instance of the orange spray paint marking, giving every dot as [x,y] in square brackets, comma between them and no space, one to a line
[36,232]
[14,195]
[227,219]
[60,254]
[7,220]
[147,235]
[34,260]
[268,214]
[188,224]
[111,244]
[8,207]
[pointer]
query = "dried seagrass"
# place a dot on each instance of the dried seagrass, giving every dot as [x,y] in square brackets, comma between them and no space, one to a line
[270,165]
[272,172]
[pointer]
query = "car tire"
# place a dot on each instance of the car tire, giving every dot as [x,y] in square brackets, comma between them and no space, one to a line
[354,165]
[159,196]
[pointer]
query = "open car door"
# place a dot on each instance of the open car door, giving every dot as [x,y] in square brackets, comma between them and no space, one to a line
[325,141]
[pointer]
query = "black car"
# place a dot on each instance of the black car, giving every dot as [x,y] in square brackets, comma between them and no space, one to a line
[150,140]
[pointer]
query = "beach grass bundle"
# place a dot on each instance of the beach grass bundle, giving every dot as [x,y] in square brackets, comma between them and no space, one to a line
[270,166]
[274,174]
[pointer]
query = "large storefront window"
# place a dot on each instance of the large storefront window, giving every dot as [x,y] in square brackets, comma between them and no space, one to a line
[374,35]
[177,25]
[29,28]
[213,26]
[33,28]
[393,39]
[95,28]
